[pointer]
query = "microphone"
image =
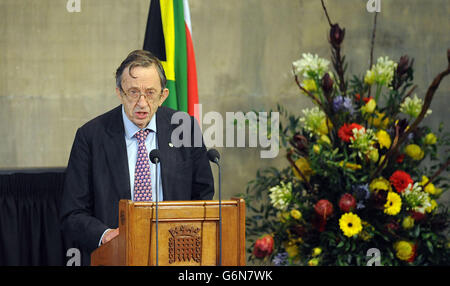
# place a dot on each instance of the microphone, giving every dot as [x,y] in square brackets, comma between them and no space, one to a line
[214,156]
[154,158]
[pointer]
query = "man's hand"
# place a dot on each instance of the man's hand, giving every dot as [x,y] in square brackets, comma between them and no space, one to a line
[110,234]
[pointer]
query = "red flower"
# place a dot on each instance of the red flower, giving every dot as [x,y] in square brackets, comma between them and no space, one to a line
[367,99]
[400,158]
[417,216]
[413,256]
[263,246]
[319,223]
[346,131]
[324,208]
[392,226]
[357,97]
[347,202]
[400,180]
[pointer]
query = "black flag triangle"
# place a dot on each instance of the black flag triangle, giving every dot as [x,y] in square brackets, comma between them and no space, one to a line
[154,34]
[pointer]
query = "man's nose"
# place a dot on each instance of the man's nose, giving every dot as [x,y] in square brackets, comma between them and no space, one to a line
[142,102]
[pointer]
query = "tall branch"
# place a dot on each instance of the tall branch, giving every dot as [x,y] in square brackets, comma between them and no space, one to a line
[317,101]
[335,38]
[426,105]
[372,47]
[441,169]
[372,43]
[326,13]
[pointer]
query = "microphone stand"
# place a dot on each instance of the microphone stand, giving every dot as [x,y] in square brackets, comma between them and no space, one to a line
[214,156]
[156,208]
[220,214]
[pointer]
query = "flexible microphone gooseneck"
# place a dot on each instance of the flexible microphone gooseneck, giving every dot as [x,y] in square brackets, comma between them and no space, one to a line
[154,158]
[214,156]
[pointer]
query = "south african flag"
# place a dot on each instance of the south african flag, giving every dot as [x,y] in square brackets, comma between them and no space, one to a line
[168,36]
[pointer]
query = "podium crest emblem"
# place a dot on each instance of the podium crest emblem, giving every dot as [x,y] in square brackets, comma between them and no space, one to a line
[185,244]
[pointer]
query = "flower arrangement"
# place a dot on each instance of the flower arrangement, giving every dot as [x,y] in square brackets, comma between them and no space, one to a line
[355,179]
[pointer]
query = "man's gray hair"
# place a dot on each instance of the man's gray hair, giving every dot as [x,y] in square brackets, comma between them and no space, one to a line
[140,58]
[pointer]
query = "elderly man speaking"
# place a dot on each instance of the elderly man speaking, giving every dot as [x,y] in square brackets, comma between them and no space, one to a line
[109,158]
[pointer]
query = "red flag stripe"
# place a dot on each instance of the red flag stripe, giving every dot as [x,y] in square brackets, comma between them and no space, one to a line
[191,73]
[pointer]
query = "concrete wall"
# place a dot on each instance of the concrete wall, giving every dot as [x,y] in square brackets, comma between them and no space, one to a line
[56,67]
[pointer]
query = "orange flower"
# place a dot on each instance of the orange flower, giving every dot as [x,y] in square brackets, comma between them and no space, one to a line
[263,246]
[346,131]
[400,180]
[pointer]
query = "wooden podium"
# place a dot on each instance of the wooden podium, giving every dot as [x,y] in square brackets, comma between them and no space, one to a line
[188,234]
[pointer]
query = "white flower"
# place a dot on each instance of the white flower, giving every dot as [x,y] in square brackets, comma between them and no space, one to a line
[416,199]
[363,141]
[413,107]
[382,73]
[310,66]
[281,195]
[313,120]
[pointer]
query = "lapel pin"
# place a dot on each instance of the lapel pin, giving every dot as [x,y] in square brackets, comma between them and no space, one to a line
[170,144]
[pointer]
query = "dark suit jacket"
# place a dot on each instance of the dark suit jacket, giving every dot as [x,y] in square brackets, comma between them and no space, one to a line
[97,175]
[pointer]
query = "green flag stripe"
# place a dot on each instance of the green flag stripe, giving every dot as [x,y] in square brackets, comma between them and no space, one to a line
[180,56]
[171,100]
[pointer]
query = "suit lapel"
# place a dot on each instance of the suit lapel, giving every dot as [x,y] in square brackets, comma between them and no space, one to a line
[116,153]
[163,135]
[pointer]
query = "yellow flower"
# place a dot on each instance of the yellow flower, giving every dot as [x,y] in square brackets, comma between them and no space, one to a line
[408,222]
[313,262]
[414,151]
[364,235]
[296,214]
[383,139]
[432,207]
[316,149]
[374,155]
[309,85]
[291,248]
[379,121]
[430,139]
[303,165]
[367,232]
[324,139]
[350,224]
[370,106]
[438,192]
[316,251]
[430,188]
[393,204]
[380,184]
[323,128]
[404,250]
[350,166]
[283,216]
[370,77]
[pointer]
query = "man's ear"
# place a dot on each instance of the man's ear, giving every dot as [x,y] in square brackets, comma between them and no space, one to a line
[163,96]
[119,94]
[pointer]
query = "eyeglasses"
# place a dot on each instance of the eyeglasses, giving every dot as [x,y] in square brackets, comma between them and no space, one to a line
[135,94]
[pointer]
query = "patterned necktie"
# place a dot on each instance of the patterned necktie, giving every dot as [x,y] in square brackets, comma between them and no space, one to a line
[142,182]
